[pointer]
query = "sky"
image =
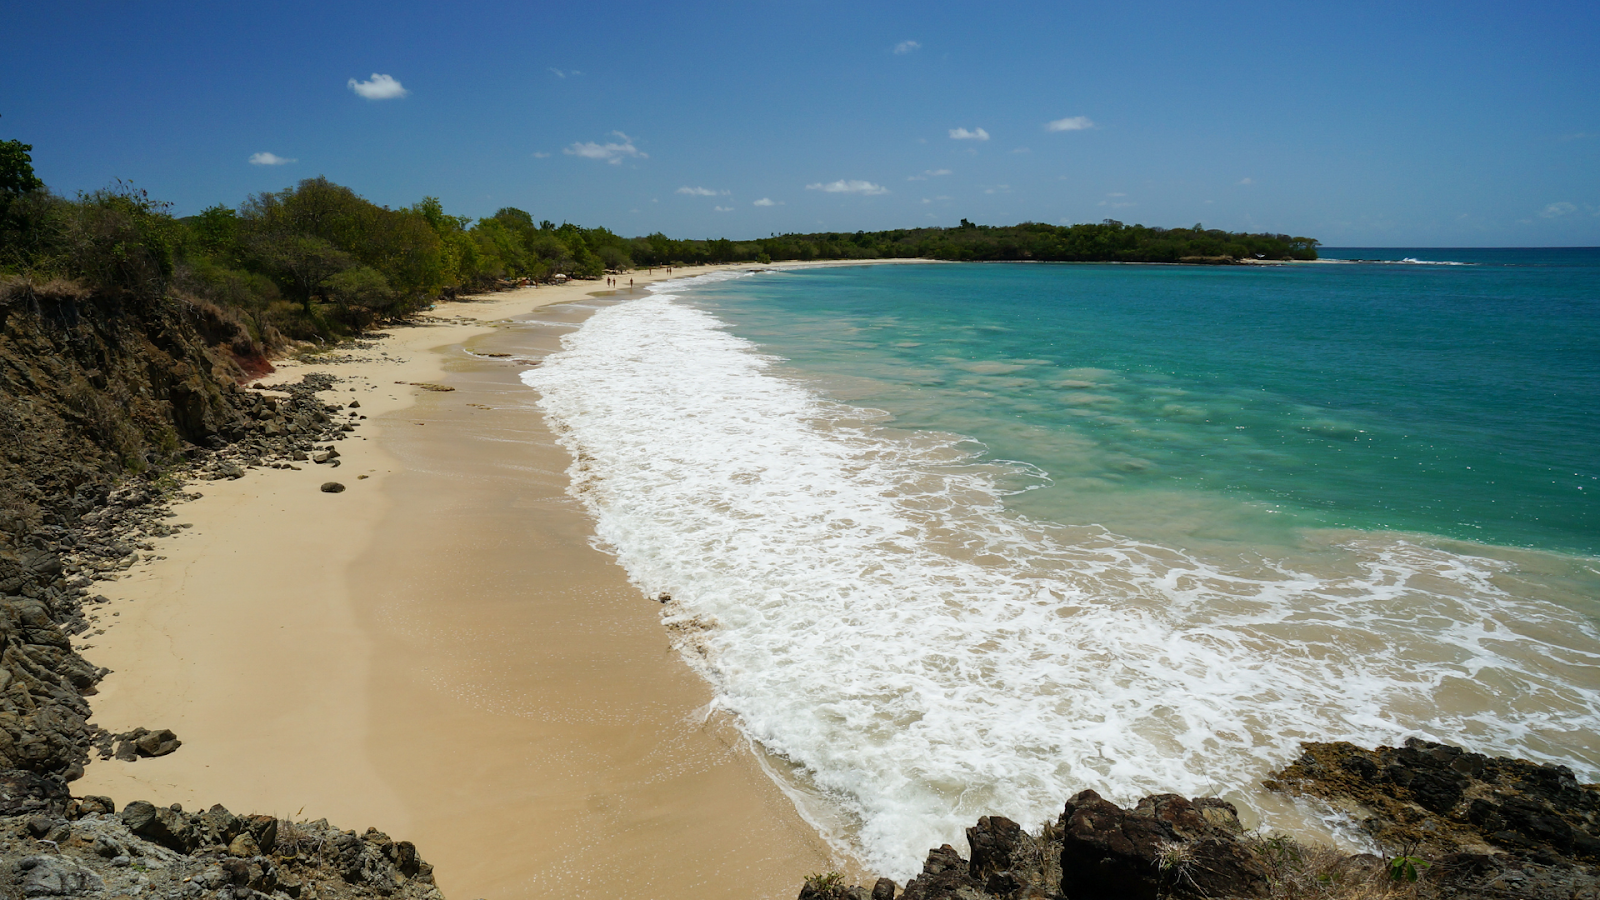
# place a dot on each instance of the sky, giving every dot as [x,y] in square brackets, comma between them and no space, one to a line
[1360,124]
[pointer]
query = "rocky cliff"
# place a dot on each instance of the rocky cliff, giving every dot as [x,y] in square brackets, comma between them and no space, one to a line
[105,399]
[1452,824]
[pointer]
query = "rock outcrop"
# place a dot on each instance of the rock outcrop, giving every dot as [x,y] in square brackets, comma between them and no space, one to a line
[1165,847]
[1453,824]
[1487,826]
[106,403]
[64,847]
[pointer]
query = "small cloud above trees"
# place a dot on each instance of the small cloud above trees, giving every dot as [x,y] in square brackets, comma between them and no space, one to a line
[962,134]
[611,151]
[1070,123]
[904,47]
[766,201]
[269,159]
[379,87]
[700,192]
[848,187]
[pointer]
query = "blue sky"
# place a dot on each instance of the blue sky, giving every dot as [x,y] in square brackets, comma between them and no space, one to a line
[1382,124]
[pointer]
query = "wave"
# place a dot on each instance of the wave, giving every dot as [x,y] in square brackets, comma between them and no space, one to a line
[862,601]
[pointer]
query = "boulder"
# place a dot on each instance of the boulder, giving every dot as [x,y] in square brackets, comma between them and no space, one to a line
[1162,848]
[169,827]
[945,876]
[53,876]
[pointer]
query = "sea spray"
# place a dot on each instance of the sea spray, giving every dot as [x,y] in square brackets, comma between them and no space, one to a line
[865,605]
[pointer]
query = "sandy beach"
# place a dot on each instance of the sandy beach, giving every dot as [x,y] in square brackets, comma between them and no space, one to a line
[438,651]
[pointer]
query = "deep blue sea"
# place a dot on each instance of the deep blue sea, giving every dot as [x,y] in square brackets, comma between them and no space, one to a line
[952,540]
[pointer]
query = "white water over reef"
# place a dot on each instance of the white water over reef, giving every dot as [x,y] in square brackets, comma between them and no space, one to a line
[864,604]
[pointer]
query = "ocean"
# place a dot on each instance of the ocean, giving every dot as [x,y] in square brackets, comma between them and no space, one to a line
[965,539]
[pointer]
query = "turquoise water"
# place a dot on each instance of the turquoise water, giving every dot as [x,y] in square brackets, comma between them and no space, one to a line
[963,540]
[1460,401]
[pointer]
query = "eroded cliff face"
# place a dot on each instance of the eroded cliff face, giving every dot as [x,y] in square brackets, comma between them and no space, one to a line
[104,398]
[96,391]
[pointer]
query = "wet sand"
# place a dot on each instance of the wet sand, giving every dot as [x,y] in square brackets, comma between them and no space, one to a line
[438,651]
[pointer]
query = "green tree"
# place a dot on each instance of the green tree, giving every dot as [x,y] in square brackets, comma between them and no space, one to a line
[16,168]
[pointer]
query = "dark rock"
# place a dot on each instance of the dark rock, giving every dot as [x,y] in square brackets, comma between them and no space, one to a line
[944,877]
[1441,800]
[52,876]
[883,889]
[157,743]
[142,742]
[26,793]
[96,804]
[171,828]
[264,831]
[1109,853]
[332,487]
[1008,861]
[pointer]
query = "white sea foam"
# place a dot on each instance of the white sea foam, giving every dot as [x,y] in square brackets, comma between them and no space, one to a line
[866,607]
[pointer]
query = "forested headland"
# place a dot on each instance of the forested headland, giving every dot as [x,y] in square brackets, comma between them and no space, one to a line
[318,261]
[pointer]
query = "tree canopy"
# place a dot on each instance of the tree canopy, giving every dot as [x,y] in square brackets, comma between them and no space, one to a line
[317,260]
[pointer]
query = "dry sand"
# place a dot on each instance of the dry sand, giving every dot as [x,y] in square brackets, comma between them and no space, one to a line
[438,651]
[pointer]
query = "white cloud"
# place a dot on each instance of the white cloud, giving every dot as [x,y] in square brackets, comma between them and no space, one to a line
[1116,194]
[541,156]
[381,87]
[961,134]
[848,187]
[611,152]
[700,192]
[1022,150]
[269,159]
[1557,210]
[904,47]
[1070,123]
[722,208]
[1246,181]
[998,189]
[563,74]
[766,201]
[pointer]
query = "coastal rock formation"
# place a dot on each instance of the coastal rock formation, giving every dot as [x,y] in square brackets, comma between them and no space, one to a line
[106,401]
[1488,826]
[104,398]
[1165,847]
[64,847]
[1454,825]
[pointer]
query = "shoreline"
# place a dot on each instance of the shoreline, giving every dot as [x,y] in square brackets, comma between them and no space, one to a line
[374,656]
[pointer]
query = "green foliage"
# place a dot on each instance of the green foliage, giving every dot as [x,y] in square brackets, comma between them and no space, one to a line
[824,882]
[1406,868]
[360,288]
[316,260]
[16,168]
[116,238]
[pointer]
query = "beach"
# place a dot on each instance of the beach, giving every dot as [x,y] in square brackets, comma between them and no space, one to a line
[438,651]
